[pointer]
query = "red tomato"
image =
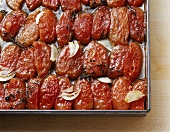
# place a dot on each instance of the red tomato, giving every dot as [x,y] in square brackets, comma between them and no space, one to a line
[140,85]
[115,3]
[133,61]
[1,16]
[119,26]
[72,66]
[29,32]
[95,59]
[15,4]
[135,2]
[10,56]
[42,53]
[73,5]
[117,61]
[120,87]
[15,94]
[33,4]
[11,24]
[64,28]
[101,22]
[3,103]
[84,101]
[83,27]
[85,2]
[53,4]
[25,66]
[102,95]
[60,103]
[47,26]
[48,92]
[32,90]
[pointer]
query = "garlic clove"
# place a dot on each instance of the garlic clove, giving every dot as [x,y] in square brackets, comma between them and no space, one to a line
[70,96]
[133,96]
[106,44]
[74,47]
[54,53]
[104,79]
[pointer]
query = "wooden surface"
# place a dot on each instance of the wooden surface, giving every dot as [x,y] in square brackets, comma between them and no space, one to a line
[158,118]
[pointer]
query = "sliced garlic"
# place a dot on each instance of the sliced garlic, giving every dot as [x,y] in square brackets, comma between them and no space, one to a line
[54,53]
[38,17]
[70,96]
[133,96]
[104,79]
[68,90]
[106,44]
[6,74]
[74,47]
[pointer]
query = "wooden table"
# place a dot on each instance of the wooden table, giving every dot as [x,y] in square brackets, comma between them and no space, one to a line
[158,118]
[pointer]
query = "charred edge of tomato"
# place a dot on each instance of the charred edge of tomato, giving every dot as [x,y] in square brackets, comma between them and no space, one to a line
[4,12]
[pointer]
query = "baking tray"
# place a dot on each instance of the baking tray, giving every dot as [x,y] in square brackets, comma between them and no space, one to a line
[145,73]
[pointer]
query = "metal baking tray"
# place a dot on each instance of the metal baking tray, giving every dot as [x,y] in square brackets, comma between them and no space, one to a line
[145,73]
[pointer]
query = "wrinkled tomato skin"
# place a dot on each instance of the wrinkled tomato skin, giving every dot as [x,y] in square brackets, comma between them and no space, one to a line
[135,2]
[85,2]
[115,3]
[10,56]
[29,32]
[47,26]
[133,61]
[33,4]
[15,4]
[3,103]
[120,87]
[83,27]
[32,93]
[71,66]
[95,59]
[11,24]
[84,101]
[64,28]
[101,22]
[48,92]
[117,61]
[102,95]
[95,3]
[74,5]
[1,16]
[119,26]
[15,94]
[139,85]
[60,103]
[136,20]
[52,4]
[42,53]
[25,66]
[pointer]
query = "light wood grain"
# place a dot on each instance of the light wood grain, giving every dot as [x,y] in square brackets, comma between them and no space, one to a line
[158,118]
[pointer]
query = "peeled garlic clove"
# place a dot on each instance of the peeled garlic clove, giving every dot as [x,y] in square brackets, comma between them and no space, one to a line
[37,19]
[104,79]
[70,96]
[106,44]
[7,77]
[74,47]
[133,96]
[68,90]
[54,53]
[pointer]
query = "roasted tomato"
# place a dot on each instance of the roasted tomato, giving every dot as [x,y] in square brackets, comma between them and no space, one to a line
[11,24]
[85,2]
[3,103]
[33,4]
[94,3]
[101,95]
[53,4]
[10,56]
[117,61]
[42,53]
[47,26]
[29,32]
[133,61]
[72,66]
[2,14]
[120,87]
[101,22]
[15,94]
[135,2]
[72,5]
[119,26]
[48,92]
[64,28]
[25,66]
[32,93]
[15,4]
[95,59]
[136,20]
[115,3]
[139,85]
[83,27]
[60,102]
[84,101]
